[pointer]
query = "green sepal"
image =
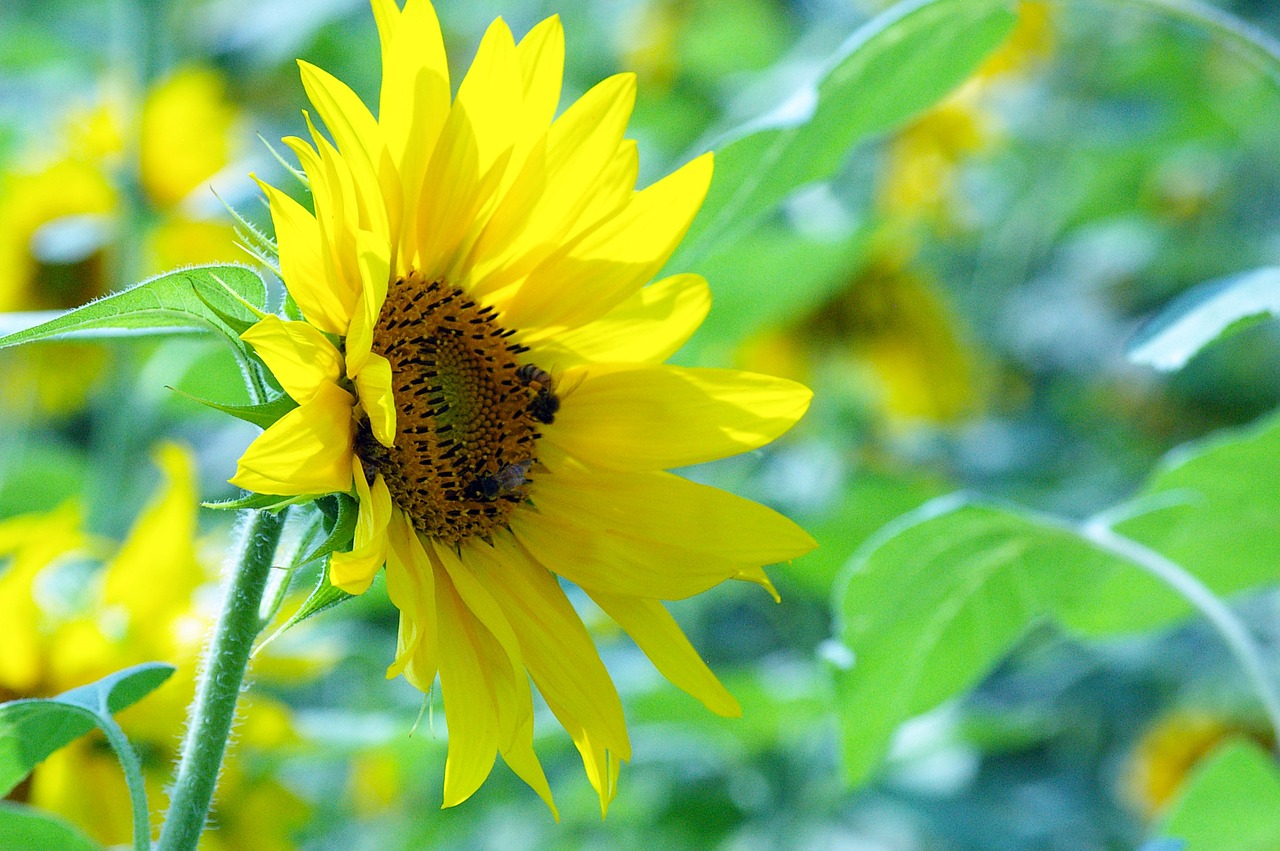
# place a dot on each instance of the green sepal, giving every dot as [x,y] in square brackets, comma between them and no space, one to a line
[259,501]
[263,415]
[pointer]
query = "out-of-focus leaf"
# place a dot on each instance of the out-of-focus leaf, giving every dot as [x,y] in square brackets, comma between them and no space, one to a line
[23,828]
[32,729]
[869,502]
[172,303]
[897,65]
[1204,314]
[769,278]
[1231,802]
[935,600]
[1212,507]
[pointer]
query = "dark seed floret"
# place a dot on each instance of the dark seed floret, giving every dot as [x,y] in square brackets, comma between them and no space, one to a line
[466,411]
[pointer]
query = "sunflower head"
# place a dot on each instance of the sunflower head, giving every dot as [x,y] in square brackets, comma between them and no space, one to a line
[479,361]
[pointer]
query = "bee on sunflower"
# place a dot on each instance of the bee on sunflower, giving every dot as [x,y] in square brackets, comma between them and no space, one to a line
[479,360]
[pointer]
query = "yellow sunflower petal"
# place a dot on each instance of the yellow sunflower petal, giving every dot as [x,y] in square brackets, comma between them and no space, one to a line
[541,57]
[298,355]
[655,418]
[649,534]
[556,647]
[411,587]
[353,571]
[377,398]
[301,267]
[415,99]
[375,271]
[470,706]
[334,199]
[647,328]
[470,158]
[660,637]
[360,140]
[609,262]
[553,187]
[306,451]
[513,700]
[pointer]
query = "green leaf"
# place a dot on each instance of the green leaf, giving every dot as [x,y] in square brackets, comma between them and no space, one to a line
[1230,803]
[176,302]
[1205,314]
[935,600]
[892,68]
[263,415]
[1213,507]
[32,729]
[23,828]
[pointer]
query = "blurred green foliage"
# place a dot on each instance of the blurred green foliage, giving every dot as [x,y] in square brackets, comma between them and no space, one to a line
[957,286]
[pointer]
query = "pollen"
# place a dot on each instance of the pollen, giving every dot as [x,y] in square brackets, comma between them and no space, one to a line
[467,411]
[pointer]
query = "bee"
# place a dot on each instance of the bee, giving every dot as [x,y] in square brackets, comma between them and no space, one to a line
[545,403]
[508,480]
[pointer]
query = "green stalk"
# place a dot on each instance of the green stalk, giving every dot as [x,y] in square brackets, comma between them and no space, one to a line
[219,685]
[133,775]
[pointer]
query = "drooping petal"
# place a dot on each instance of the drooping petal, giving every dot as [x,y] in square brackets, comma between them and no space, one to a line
[470,701]
[655,418]
[298,355]
[556,647]
[307,451]
[647,328]
[411,587]
[608,263]
[353,571]
[653,629]
[513,699]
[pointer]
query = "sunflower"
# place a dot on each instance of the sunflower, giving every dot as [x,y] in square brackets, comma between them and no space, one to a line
[479,360]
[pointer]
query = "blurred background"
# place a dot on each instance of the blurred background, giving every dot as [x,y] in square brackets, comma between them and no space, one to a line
[958,296]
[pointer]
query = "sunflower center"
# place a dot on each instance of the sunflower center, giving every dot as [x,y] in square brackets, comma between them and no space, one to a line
[467,412]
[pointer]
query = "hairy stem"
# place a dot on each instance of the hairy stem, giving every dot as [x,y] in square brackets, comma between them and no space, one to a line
[219,686]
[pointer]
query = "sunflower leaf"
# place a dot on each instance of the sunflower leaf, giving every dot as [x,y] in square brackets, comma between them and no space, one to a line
[263,415]
[935,600]
[892,68]
[23,826]
[340,522]
[1204,314]
[32,729]
[185,301]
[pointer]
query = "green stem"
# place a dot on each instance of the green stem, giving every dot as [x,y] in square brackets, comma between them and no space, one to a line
[1229,627]
[133,776]
[219,687]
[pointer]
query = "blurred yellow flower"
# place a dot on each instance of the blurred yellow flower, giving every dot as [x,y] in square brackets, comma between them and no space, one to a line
[918,181]
[61,213]
[497,400]
[887,338]
[138,608]
[1168,752]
